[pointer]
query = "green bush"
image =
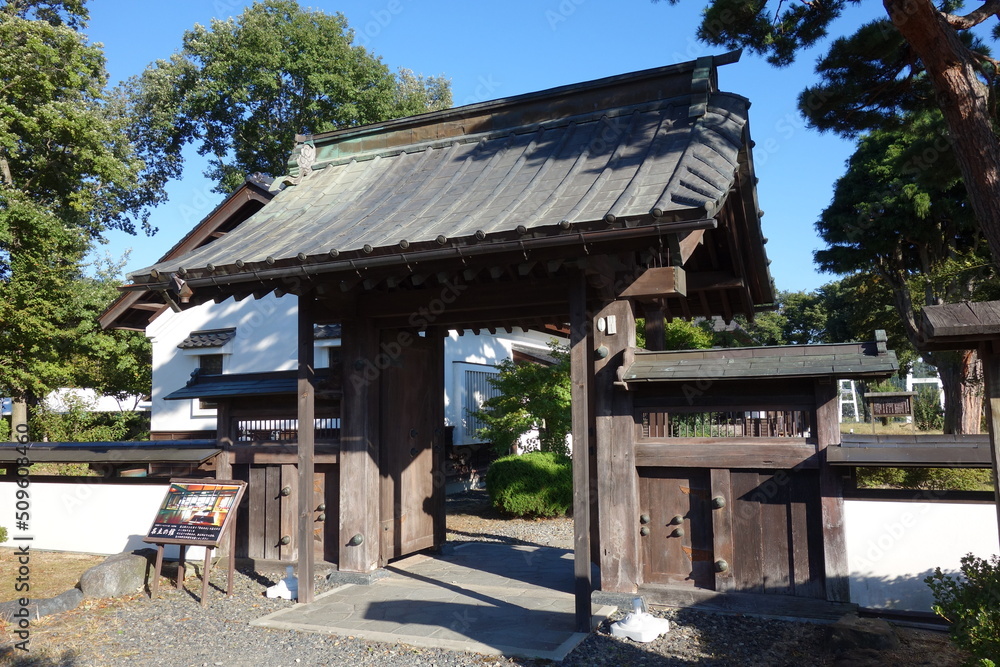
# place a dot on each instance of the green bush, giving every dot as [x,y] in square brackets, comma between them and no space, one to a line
[536,484]
[927,412]
[3,534]
[971,603]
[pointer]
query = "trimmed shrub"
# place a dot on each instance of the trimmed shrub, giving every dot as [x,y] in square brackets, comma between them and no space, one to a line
[536,484]
[971,603]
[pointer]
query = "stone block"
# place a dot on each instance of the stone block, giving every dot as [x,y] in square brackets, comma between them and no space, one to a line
[120,574]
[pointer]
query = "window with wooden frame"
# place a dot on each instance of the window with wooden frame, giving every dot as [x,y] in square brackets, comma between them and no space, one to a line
[209,364]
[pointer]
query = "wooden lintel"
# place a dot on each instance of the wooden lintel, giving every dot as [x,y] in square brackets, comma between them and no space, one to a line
[657,282]
[770,456]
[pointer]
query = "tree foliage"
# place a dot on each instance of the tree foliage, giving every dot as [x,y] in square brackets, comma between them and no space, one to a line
[902,219]
[923,55]
[68,172]
[531,397]
[243,88]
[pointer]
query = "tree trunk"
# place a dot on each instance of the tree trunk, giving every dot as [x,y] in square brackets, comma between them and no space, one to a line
[18,418]
[964,100]
[961,374]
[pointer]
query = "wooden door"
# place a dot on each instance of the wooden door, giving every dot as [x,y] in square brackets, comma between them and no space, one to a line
[677,547]
[409,496]
[777,532]
[266,526]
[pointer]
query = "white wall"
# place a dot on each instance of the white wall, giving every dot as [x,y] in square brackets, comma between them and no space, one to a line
[892,546]
[485,351]
[265,341]
[89,517]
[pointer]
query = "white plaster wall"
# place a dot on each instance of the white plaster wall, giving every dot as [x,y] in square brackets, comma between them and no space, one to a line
[265,341]
[892,546]
[483,350]
[89,517]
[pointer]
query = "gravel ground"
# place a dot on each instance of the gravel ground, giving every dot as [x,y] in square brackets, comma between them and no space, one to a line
[174,629]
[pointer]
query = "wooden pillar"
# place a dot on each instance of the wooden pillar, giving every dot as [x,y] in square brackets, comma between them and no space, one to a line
[359,447]
[580,382]
[436,384]
[655,327]
[991,371]
[224,437]
[306,443]
[831,488]
[614,333]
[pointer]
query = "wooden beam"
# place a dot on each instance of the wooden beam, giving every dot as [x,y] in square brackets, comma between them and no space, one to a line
[306,444]
[991,367]
[831,491]
[732,456]
[687,245]
[359,447]
[657,282]
[722,527]
[580,388]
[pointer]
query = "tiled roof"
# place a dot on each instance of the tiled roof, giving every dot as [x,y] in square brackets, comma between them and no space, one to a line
[840,360]
[249,384]
[326,331]
[207,339]
[617,156]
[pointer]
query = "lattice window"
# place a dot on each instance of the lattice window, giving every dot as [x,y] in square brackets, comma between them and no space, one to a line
[478,390]
[283,430]
[664,423]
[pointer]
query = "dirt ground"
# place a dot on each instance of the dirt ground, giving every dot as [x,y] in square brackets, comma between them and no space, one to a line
[51,572]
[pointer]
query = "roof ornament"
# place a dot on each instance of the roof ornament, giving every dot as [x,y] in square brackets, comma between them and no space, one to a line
[701,86]
[301,161]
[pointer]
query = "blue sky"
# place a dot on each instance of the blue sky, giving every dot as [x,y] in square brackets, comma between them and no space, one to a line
[498,49]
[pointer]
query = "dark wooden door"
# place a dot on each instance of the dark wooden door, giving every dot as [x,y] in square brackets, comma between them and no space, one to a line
[269,512]
[409,499]
[678,546]
[777,532]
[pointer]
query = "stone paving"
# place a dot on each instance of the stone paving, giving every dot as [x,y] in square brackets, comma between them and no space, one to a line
[480,597]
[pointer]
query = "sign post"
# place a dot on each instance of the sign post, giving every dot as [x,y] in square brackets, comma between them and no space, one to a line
[196,512]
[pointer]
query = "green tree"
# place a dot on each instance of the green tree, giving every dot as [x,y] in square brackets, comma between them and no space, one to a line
[531,397]
[914,231]
[799,319]
[679,334]
[68,172]
[243,88]
[923,52]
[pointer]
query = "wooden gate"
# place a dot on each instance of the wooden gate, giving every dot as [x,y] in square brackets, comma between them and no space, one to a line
[410,500]
[773,537]
[266,522]
[676,526]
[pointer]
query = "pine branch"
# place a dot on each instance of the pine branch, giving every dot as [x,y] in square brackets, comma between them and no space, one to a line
[974,18]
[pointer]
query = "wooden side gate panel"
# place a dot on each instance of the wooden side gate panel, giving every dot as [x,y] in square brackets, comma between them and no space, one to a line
[764,537]
[678,546]
[266,515]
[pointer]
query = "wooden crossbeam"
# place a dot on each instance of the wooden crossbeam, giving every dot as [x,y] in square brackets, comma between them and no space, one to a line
[657,282]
